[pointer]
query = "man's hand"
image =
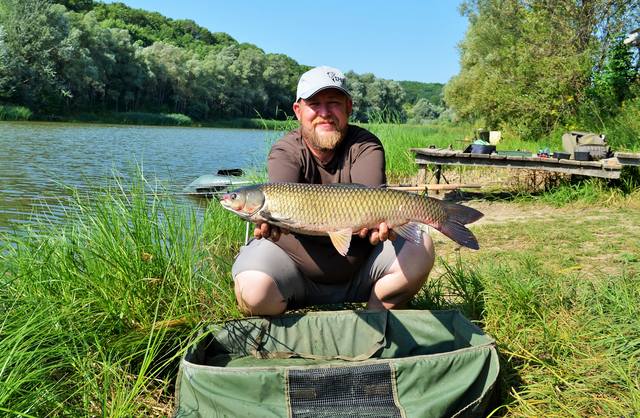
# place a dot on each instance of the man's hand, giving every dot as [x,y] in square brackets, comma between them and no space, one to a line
[376,235]
[265,230]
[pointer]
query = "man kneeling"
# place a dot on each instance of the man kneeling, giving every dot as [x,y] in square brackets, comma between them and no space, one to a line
[280,270]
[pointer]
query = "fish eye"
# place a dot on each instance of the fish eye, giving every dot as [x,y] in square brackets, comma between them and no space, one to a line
[233,196]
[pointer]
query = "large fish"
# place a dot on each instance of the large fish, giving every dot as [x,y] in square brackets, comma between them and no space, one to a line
[340,210]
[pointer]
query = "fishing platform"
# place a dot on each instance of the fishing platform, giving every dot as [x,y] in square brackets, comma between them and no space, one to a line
[432,160]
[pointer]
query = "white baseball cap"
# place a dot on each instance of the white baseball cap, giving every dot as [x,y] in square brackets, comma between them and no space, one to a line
[321,78]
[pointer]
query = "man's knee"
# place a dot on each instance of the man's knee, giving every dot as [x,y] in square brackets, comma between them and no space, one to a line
[416,261]
[258,294]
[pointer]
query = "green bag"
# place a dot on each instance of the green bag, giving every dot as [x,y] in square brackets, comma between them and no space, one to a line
[340,364]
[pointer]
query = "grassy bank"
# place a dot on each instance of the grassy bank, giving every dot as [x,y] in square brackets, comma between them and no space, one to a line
[131,118]
[144,118]
[557,286]
[96,312]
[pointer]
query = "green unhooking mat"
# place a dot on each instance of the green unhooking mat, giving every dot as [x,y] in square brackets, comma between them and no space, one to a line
[340,364]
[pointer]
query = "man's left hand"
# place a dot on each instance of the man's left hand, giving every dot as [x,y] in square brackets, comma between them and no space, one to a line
[376,235]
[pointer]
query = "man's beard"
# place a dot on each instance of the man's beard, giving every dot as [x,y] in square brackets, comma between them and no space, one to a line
[323,141]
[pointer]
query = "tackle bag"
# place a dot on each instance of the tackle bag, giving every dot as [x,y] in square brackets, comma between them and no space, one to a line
[404,363]
[586,142]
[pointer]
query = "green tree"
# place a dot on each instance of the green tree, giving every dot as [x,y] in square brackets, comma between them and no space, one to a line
[415,90]
[34,36]
[526,65]
[375,99]
[424,111]
[280,76]
[612,84]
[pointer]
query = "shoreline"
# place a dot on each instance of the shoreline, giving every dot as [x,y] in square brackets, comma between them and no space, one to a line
[150,119]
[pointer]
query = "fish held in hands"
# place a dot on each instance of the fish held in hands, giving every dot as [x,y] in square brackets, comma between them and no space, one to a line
[340,210]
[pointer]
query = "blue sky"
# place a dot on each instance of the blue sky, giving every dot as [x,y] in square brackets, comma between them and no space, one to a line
[402,40]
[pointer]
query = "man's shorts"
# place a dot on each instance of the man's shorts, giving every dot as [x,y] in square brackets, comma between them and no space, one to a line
[298,291]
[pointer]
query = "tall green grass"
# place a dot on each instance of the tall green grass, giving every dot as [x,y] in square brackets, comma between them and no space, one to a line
[96,313]
[399,139]
[254,123]
[622,130]
[560,297]
[15,113]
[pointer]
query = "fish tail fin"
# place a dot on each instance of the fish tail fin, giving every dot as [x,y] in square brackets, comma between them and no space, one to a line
[460,213]
[454,226]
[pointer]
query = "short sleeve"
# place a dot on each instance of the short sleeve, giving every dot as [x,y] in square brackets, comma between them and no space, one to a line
[284,163]
[368,164]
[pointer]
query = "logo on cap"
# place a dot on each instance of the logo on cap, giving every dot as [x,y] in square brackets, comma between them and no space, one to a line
[335,77]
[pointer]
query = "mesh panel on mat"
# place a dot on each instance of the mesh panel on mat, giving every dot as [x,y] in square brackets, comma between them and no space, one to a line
[356,391]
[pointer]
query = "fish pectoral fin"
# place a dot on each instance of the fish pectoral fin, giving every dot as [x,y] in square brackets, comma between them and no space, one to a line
[341,240]
[268,216]
[410,231]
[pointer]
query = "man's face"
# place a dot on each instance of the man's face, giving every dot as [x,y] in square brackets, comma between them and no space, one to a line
[324,118]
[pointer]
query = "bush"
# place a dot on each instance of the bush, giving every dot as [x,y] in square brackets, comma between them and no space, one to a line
[623,131]
[14,113]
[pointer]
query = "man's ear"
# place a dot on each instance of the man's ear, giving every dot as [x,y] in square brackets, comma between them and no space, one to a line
[349,106]
[296,109]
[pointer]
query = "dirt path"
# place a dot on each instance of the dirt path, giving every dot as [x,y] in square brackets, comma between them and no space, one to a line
[496,212]
[500,212]
[601,240]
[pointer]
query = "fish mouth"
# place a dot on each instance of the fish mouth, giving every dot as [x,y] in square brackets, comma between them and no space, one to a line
[227,202]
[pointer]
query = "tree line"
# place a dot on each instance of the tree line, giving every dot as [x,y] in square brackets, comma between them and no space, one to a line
[528,67]
[531,66]
[84,56]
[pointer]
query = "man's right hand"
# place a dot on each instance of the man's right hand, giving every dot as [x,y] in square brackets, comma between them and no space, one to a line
[265,230]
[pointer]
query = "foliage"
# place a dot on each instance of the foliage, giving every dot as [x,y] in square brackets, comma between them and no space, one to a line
[136,118]
[621,129]
[15,113]
[34,40]
[149,27]
[527,66]
[375,99]
[415,90]
[424,111]
[399,139]
[95,314]
[110,58]
[612,85]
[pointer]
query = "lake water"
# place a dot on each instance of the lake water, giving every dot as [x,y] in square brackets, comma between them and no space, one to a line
[40,161]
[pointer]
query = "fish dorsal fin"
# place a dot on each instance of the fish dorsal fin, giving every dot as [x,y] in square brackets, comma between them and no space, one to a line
[341,240]
[411,231]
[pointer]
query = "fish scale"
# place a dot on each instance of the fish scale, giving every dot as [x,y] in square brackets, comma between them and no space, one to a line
[340,210]
[342,206]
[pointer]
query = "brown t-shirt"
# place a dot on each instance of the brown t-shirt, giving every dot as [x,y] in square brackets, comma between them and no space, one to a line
[358,159]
